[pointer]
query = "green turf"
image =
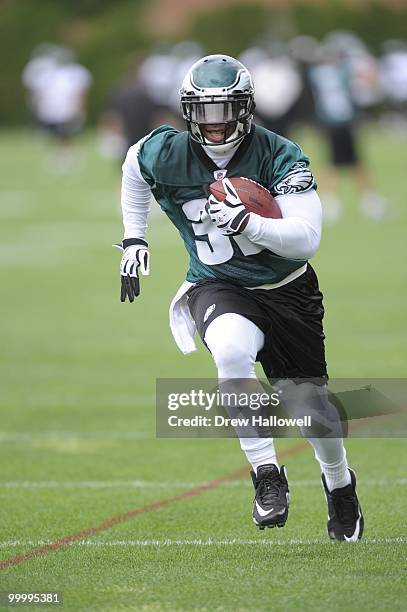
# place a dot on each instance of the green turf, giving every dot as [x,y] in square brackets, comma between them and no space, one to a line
[78,373]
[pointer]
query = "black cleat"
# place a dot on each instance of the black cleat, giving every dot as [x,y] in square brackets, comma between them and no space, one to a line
[345,518]
[272,497]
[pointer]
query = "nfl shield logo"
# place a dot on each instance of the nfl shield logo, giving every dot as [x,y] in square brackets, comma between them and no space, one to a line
[219,174]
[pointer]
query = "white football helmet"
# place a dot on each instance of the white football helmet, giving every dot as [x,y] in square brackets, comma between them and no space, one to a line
[218,90]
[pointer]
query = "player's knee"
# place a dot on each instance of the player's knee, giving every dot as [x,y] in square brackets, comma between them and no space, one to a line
[233,360]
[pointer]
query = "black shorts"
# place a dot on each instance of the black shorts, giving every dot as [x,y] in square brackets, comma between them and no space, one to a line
[64,130]
[289,316]
[342,145]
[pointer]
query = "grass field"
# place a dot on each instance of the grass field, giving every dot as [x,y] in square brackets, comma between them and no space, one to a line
[78,447]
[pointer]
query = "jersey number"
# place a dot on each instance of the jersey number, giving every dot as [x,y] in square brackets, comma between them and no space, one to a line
[212,246]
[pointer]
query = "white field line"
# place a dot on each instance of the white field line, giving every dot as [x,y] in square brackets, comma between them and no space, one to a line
[149,484]
[197,542]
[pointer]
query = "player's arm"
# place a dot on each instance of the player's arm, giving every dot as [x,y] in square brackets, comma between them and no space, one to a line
[298,234]
[135,203]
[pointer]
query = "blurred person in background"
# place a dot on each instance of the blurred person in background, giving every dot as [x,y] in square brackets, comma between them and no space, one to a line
[128,115]
[278,86]
[363,68]
[57,89]
[147,98]
[302,49]
[333,84]
[162,73]
[393,74]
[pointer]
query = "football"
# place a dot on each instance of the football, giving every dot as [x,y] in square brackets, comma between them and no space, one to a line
[256,199]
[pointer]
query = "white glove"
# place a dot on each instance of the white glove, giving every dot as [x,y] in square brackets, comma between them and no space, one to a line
[135,257]
[230,215]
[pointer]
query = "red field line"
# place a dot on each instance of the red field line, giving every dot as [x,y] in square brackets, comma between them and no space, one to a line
[126,516]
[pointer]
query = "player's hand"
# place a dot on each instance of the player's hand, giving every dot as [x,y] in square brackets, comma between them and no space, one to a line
[230,215]
[135,258]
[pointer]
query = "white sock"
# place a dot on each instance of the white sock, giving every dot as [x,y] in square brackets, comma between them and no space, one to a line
[331,456]
[259,451]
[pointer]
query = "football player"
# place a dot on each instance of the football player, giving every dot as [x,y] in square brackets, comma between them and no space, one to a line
[250,291]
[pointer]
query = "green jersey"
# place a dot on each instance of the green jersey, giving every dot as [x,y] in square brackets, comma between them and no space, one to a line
[179,173]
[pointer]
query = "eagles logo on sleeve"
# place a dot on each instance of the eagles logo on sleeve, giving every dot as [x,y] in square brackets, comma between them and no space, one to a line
[300,178]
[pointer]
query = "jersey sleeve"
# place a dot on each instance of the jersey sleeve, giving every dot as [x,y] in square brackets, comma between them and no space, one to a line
[290,172]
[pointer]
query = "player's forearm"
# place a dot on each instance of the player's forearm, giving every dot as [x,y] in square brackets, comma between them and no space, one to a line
[297,235]
[291,237]
[135,198]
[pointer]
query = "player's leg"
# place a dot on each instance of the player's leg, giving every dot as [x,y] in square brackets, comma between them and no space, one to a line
[345,521]
[308,399]
[295,350]
[345,517]
[232,327]
[234,342]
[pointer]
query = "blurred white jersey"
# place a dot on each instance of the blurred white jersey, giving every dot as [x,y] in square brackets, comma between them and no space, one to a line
[57,91]
[394,75]
[278,85]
